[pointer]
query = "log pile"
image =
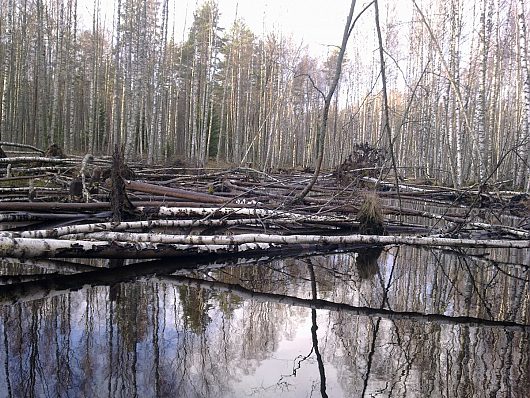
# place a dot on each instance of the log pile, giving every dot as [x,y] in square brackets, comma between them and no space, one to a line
[57,206]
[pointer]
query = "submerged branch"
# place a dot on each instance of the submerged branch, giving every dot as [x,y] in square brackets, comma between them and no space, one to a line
[159,270]
[333,306]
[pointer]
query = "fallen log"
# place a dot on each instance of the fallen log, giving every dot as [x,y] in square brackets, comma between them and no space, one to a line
[17,145]
[134,245]
[234,240]
[172,192]
[36,159]
[520,233]
[55,248]
[127,225]
[23,216]
[20,178]
[402,187]
[181,223]
[62,206]
[257,213]
[28,189]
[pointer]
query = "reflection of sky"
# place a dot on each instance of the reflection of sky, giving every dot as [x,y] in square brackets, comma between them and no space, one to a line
[274,375]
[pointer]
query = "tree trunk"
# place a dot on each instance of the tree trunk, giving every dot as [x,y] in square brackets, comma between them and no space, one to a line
[523,146]
[321,134]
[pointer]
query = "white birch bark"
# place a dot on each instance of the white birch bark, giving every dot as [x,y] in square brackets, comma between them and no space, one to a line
[93,101]
[156,135]
[233,240]
[54,248]
[481,100]
[456,31]
[116,100]
[70,142]
[50,248]
[523,148]
[59,63]
[6,64]
[39,159]
[244,216]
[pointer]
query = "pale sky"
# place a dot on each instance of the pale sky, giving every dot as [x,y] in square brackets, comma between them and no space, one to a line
[316,23]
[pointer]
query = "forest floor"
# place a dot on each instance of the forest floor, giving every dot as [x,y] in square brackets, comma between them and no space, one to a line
[56,206]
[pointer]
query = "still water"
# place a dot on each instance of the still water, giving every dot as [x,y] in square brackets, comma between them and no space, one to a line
[256,329]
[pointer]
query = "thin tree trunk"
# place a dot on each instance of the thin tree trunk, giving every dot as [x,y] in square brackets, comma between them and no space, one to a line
[481,100]
[321,134]
[523,149]
[116,101]
[386,121]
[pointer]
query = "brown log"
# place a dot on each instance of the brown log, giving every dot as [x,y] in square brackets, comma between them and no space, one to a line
[60,206]
[172,192]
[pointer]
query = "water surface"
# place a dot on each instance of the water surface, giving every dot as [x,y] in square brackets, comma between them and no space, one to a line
[255,329]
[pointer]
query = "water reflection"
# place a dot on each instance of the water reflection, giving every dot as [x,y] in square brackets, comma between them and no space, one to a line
[318,326]
[366,263]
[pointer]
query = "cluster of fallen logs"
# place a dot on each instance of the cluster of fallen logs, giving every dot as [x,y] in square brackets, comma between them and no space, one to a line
[55,206]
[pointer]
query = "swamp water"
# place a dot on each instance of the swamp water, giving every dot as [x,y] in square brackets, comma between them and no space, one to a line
[252,329]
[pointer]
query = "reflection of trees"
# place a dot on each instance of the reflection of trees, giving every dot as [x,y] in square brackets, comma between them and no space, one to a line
[314,337]
[195,308]
[259,321]
[417,358]
[367,261]
[155,338]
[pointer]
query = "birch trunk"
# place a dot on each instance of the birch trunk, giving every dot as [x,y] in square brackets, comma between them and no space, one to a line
[481,100]
[181,245]
[234,240]
[70,142]
[116,100]
[7,77]
[523,147]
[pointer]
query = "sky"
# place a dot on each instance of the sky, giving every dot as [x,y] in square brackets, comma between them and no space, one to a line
[315,23]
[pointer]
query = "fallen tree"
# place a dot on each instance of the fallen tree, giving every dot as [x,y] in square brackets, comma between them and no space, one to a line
[149,245]
[343,240]
[217,211]
[56,248]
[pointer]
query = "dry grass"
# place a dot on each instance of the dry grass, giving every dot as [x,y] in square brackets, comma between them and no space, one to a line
[370,216]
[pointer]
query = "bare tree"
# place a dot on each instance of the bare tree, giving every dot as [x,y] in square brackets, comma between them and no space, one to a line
[321,134]
[523,175]
[386,116]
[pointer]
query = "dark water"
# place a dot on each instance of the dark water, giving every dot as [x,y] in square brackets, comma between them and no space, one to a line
[248,330]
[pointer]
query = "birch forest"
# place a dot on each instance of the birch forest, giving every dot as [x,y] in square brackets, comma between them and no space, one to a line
[457,79]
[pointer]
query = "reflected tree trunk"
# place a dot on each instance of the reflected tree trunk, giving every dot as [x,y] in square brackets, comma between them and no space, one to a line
[314,336]
[156,346]
[34,352]
[366,377]
[110,353]
[5,318]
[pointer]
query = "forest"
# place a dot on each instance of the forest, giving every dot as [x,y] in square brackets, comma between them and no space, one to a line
[457,83]
[211,209]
